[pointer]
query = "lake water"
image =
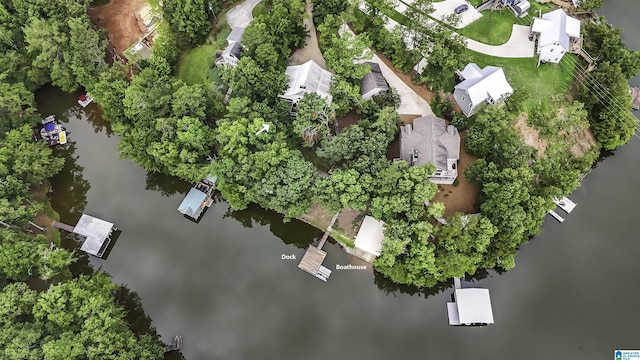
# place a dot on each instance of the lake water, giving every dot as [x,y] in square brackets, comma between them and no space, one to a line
[223,286]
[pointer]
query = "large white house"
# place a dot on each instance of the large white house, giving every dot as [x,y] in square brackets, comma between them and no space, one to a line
[430,140]
[555,33]
[481,86]
[307,78]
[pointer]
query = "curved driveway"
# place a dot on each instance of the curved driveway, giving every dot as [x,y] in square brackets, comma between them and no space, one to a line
[241,14]
[518,45]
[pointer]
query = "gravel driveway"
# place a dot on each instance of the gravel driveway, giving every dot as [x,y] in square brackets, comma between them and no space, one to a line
[241,14]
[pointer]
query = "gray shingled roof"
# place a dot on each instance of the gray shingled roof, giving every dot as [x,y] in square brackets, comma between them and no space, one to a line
[433,139]
[373,79]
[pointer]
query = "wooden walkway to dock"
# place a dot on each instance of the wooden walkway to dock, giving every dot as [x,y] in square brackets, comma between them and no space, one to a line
[63,226]
[314,256]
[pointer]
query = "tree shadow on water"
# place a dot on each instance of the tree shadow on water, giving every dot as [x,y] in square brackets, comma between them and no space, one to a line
[69,187]
[166,185]
[294,233]
[389,287]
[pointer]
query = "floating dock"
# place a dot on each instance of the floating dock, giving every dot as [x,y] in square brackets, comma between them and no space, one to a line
[565,204]
[556,216]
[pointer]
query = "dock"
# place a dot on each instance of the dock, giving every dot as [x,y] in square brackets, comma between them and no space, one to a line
[198,198]
[62,226]
[635,95]
[174,345]
[556,216]
[314,256]
[96,233]
[565,204]
[469,306]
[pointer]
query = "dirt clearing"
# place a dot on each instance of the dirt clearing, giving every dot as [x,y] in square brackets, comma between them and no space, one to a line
[461,198]
[530,135]
[120,19]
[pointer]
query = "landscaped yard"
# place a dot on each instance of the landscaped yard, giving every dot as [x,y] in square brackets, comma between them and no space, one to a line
[195,64]
[494,28]
[542,83]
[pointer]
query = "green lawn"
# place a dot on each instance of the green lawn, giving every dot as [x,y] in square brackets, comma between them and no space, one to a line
[542,83]
[494,28]
[195,65]
[260,9]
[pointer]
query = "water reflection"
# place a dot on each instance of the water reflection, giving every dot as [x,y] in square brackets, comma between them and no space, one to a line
[70,195]
[287,232]
[166,185]
[391,288]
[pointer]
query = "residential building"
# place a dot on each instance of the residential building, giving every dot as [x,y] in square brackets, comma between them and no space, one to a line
[481,86]
[430,140]
[233,52]
[307,78]
[373,82]
[555,34]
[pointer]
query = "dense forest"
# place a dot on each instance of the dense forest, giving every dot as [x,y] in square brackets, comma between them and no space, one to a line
[169,126]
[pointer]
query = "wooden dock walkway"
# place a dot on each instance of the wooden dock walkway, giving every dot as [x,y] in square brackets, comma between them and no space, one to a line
[328,231]
[63,226]
[556,216]
[314,256]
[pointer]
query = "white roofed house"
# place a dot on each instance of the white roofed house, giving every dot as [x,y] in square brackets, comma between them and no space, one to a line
[430,140]
[233,52]
[555,34]
[307,78]
[481,86]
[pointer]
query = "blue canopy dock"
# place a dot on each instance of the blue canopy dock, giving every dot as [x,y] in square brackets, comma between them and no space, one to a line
[198,198]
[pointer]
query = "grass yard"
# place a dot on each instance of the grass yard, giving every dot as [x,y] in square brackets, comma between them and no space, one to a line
[542,83]
[260,9]
[494,28]
[476,3]
[195,65]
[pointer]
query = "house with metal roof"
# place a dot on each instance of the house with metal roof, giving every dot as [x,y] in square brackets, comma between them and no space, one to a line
[481,86]
[555,34]
[431,140]
[307,78]
[373,82]
[368,243]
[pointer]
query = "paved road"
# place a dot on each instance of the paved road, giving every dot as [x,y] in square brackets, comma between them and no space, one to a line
[447,7]
[241,14]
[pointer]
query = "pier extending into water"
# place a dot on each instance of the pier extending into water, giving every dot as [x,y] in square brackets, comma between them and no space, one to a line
[174,345]
[314,256]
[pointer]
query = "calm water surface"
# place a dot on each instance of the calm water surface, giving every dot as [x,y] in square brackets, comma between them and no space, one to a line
[223,286]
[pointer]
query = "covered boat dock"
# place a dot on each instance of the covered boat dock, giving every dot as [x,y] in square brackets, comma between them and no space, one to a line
[198,198]
[471,306]
[96,233]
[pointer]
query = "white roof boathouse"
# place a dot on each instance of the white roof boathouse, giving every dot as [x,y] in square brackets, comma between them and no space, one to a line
[96,232]
[368,243]
[471,306]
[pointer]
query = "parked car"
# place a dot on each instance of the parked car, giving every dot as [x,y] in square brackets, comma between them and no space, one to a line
[462,8]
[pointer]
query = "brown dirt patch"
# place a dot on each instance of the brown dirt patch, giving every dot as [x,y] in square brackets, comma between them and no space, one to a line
[531,136]
[119,17]
[351,118]
[582,143]
[461,198]
[346,220]
[317,217]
